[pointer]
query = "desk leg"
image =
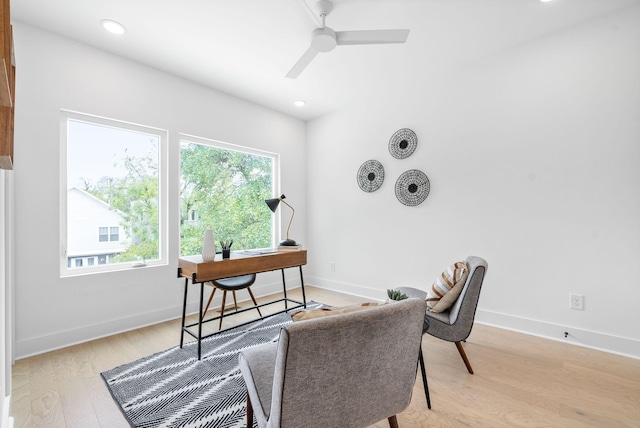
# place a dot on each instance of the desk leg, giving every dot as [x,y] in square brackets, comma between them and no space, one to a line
[200,321]
[184,310]
[304,298]
[284,289]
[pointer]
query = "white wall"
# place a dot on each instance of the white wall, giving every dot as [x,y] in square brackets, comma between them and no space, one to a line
[54,73]
[6,280]
[532,154]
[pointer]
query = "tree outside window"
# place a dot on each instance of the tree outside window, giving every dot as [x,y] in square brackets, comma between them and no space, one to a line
[224,188]
[112,185]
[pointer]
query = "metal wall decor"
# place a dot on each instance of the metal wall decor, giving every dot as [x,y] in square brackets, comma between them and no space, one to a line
[370,176]
[403,143]
[412,187]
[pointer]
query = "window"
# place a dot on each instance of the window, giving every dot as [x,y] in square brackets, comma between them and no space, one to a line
[223,187]
[113,234]
[106,234]
[112,182]
[103,234]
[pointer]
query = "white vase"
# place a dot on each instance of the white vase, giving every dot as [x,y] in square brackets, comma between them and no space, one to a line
[208,246]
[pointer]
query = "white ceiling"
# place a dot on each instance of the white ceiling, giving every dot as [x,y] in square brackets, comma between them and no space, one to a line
[245,47]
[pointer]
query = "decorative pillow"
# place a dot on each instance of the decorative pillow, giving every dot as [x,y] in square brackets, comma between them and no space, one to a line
[446,289]
[308,314]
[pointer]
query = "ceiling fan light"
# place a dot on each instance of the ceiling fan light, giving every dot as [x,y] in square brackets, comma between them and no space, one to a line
[323,39]
[113,26]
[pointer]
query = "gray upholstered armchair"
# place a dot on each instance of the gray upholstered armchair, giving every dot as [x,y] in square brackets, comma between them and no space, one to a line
[347,370]
[454,324]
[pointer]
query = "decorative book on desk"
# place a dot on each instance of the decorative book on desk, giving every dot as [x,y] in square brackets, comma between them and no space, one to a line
[289,247]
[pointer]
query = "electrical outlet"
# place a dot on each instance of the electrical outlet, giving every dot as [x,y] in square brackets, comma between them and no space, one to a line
[576,301]
[332,266]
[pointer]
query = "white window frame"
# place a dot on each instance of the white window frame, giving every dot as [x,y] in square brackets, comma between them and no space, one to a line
[163,211]
[275,185]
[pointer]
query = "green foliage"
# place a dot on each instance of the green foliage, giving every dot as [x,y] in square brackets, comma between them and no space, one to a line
[134,252]
[396,295]
[135,197]
[227,189]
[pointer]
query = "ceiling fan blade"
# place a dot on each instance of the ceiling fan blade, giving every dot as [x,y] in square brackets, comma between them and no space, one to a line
[371,37]
[302,63]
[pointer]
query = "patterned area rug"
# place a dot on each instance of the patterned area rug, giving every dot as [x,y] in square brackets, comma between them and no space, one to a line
[173,389]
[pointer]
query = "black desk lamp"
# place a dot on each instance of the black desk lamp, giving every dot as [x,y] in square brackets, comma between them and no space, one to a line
[273,205]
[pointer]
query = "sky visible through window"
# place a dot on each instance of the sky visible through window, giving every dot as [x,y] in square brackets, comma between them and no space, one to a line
[118,164]
[95,151]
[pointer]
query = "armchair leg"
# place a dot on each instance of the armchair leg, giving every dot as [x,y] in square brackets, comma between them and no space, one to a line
[393,422]
[424,377]
[249,412]
[464,357]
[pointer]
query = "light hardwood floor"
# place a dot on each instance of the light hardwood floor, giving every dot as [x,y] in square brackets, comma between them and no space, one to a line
[519,380]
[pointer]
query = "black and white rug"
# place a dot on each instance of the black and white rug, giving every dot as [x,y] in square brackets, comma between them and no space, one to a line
[173,389]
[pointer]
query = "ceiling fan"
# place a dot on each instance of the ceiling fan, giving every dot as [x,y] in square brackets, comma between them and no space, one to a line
[325,39]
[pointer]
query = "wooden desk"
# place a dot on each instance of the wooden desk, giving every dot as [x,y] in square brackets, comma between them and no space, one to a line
[199,272]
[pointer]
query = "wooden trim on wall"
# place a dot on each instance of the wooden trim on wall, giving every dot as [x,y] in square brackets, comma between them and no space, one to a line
[7,87]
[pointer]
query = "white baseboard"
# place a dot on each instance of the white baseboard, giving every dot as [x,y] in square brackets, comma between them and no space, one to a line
[38,345]
[589,339]
[576,336]
[347,288]
[6,421]
[605,342]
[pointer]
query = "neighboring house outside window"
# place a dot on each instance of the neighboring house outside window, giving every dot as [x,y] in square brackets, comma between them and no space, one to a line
[113,194]
[86,215]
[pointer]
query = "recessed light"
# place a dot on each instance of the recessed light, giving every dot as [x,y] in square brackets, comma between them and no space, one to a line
[113,26]
[299,103]
[545,1]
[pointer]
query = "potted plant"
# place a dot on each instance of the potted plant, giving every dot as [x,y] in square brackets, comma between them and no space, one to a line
[396,295]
